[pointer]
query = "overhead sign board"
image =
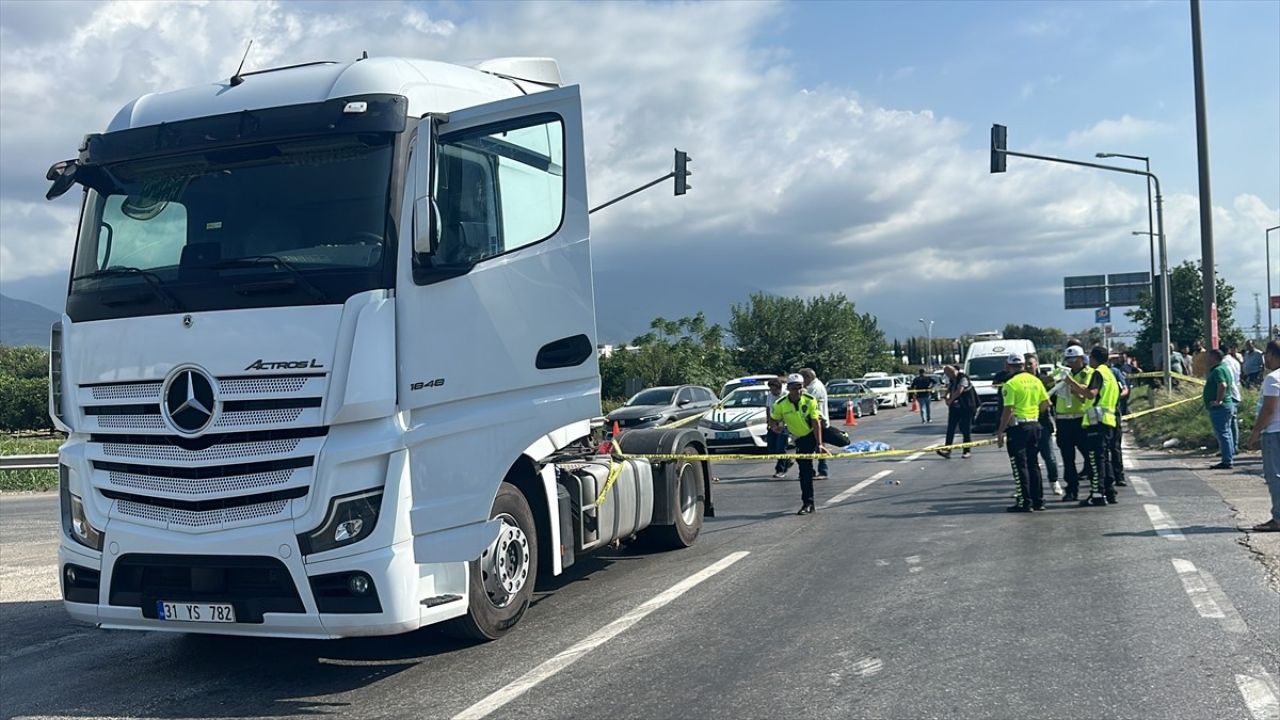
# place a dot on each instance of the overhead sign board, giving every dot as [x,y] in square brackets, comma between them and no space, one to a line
[1086,292]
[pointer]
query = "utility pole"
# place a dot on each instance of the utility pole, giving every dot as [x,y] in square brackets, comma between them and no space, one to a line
[1257,318]
[1207,268]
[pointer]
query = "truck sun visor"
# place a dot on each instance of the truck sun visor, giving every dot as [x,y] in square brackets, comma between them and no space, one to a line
[383,114]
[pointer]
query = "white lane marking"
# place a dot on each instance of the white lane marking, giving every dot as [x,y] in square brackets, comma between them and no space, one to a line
[1207,595]
[1197,590]
[1260,695]
[882,563]
[566,658]
[916,456]
[913,559]
[868,666]
[1142,487]
[914,562]
[848,493]
[1164,525]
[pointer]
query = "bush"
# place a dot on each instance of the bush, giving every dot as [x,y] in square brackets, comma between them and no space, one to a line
[1188,422]
[24,389]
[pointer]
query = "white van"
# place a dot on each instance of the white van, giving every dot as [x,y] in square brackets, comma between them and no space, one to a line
[986,358]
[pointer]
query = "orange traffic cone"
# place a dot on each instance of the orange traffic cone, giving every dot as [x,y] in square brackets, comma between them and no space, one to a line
[915,404]
[616,430]
[850,420]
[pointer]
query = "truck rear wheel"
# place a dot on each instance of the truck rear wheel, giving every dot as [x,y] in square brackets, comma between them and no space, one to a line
[501,580]
[689,500]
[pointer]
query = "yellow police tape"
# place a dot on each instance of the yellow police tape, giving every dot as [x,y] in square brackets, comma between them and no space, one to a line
[615,467]
[1174,375]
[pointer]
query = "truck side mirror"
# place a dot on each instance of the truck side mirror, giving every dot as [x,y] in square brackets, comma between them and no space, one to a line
[63,176]
[426,213]
[426,226]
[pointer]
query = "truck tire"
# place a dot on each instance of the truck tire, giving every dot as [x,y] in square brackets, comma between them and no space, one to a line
[688,522]
[500,582]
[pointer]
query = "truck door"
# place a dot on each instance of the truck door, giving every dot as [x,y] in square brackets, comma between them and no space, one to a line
[496,330]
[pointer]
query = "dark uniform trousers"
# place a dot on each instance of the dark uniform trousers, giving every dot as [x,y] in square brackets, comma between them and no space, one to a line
[1098,441]
[1071,439]
[1117,458]
[805,445]
[960,417]
[1023,443]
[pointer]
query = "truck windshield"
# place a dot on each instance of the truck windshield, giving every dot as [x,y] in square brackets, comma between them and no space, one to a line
[985,368]
[302,222]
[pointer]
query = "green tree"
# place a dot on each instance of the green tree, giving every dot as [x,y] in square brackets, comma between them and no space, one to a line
[673,352]
[1049,341]
[826,333]
[24,389]
[1186,326]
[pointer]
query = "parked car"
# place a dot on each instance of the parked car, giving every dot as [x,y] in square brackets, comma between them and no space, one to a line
[760,380]
[863,404]
[740,421]
[659,405]
[890,391]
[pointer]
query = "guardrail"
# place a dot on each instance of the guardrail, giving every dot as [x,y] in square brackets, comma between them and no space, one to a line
[29,462]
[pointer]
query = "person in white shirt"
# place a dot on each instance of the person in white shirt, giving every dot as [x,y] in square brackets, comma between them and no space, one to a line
[1233,366]
[818,391]
[1266,434]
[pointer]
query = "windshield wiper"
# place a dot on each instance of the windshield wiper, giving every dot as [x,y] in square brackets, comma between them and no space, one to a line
[152,281]
[276,261]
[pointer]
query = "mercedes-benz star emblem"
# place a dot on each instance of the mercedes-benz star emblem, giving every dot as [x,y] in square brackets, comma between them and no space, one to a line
[189,401]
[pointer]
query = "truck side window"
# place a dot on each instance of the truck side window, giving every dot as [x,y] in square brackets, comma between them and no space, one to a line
[499,188]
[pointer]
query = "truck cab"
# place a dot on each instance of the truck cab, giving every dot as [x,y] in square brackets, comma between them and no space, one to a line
[327,364]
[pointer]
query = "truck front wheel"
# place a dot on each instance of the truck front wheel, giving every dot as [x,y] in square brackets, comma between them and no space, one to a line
[501,580]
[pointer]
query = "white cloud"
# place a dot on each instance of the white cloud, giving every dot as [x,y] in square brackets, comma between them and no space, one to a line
[795,189]
[1105,133]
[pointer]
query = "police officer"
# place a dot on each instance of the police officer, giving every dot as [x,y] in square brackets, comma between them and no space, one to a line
[1046,426]
[799,412]
[1069,410]
[1023,397]
[1101,397]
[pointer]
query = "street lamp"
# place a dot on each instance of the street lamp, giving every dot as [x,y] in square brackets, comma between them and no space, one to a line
[1269,325]
[1151,230]
[929,335]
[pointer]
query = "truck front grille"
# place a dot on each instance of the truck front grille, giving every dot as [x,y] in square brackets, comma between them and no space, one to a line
[257,456]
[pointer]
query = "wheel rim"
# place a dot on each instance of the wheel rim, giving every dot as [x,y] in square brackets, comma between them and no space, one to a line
[504,566]
[688,493]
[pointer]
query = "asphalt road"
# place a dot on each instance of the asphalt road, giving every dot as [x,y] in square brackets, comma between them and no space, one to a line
[920,598]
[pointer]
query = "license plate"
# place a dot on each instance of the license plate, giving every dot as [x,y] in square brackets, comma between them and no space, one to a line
[726,436]
[196,612]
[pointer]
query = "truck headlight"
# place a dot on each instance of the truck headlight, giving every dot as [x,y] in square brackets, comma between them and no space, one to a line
[75,523]
[351,518]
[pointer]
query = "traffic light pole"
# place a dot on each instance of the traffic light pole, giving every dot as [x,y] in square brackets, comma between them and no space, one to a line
[999,153]
[681,174]
[626,195]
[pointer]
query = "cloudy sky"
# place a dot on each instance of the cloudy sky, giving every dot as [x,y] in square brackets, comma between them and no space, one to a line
[837,147]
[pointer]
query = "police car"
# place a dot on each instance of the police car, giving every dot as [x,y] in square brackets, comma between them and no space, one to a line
[740,421]
[761,380]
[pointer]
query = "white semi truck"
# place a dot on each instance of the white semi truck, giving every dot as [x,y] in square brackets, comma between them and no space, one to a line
[327,365]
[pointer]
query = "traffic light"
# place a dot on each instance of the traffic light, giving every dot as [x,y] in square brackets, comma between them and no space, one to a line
[682,172]
[999,143]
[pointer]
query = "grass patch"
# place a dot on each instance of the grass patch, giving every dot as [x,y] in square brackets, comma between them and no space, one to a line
[1188,422]
[28,480]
